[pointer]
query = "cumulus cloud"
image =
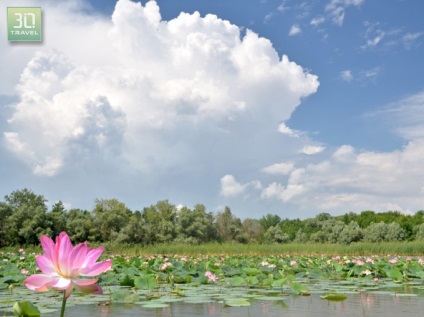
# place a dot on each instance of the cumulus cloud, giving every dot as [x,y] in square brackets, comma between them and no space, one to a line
[157,90]
[295,30]
[279,168]
[312,149]
[359,180]
[284,129]
[347,179]
[231,187]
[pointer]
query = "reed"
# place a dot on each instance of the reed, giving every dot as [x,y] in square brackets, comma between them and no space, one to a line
[363,248]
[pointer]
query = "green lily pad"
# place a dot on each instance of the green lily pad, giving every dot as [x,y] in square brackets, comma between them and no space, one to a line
[237,302]
[334,297]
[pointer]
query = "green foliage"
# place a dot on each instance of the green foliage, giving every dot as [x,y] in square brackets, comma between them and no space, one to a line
[25,309]
[228,226]
[24,217]
[274,234]
[378,232]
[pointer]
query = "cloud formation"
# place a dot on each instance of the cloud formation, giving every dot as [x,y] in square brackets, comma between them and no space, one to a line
[167,82]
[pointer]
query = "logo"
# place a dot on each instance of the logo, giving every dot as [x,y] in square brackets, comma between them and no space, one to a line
[24,24]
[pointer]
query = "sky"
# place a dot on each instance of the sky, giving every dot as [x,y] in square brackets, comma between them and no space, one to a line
[284,107]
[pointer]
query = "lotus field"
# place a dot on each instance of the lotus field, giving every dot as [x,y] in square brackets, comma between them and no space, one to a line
[155,281]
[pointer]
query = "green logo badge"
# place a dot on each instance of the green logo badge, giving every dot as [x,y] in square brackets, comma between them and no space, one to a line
[24,24]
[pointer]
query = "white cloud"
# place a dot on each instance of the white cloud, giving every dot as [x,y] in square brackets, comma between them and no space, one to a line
[410,39]
[346,75]
[279,168]
[283,6]
[295,30]
[284,129]
[337,9]
[268,17]
[145,93]
[405,116]
[375,41]
[312,149]
[371,74]
[231,187]
[356,181]
[346,179]
[317,21]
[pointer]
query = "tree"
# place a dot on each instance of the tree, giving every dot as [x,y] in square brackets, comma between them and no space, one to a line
[252,229]
[351,233]
[57,219]
[276,235]
[300,237]
[28,218]
[329,232]
[269,221]
[80,226]
[160,222]
[111,216]
[134,232]
[5,212]
[228,226]
[379,232]
[195,226]
[419,229]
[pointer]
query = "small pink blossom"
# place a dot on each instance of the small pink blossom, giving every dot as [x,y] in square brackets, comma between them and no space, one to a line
[264,263]
[211,277]
[63,264]
[25,272]
[293,262]
[366,272]
[217,264]
[393,261]
[164,266]
[359,262]
[272,266]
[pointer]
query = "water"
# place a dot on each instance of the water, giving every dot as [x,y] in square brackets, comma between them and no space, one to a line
[361,305]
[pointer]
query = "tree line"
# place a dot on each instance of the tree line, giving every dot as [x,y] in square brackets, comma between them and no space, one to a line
[25,216]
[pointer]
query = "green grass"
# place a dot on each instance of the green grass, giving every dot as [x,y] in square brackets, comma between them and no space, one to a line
[362,248]
[386,248]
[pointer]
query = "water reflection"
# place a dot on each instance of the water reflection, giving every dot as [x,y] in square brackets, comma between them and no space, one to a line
[361,305]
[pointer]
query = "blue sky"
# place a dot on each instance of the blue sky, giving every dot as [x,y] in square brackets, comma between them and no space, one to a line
[284,107]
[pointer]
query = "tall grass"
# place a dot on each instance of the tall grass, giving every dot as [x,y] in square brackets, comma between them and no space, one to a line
[361,248]
[386,248]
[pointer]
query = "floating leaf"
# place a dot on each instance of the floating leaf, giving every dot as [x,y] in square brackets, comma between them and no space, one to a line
[238,302]
[334,297]
[124,296]
[25,309]
[299,288]
[147,282]
[237,281]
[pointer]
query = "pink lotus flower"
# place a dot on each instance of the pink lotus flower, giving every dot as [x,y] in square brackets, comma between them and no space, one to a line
[63,264]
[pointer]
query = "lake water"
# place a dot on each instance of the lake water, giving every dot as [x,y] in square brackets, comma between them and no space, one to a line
[361,305]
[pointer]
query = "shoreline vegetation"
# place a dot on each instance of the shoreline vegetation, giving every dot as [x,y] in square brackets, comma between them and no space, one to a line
[168,228]
[410,248]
